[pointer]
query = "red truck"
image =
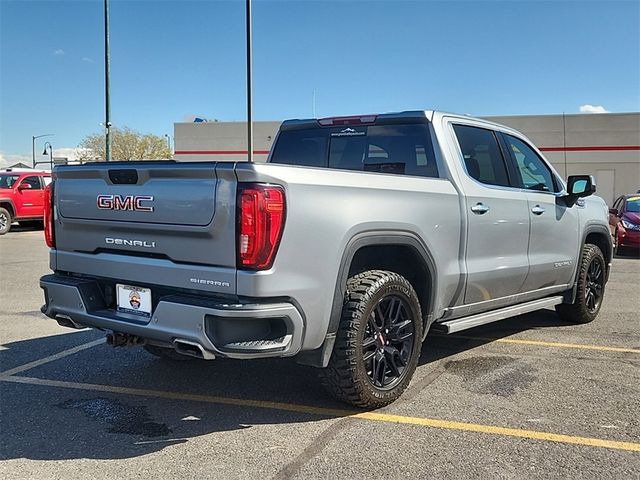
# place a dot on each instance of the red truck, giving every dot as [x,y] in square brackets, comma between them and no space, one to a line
[22,197]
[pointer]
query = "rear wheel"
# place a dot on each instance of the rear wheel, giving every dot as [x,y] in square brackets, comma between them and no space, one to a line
[590,290]
[167,353]
[378,340]
[5,221]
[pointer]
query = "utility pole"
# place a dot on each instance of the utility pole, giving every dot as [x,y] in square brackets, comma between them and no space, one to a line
[249,81]
[107,123]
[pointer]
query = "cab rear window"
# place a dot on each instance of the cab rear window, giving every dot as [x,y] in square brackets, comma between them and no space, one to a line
[401,149]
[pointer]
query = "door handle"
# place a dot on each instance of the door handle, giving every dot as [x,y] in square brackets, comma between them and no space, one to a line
[480,208]
[537,210]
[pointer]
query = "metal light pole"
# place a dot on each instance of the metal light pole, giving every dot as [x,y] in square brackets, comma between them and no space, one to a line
[44,152]
[249,81]
[33,146]
[168,137]
[107,122]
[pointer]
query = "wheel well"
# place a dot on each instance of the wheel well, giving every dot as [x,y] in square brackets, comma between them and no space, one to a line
[8,207]
[602,242]
[402,259]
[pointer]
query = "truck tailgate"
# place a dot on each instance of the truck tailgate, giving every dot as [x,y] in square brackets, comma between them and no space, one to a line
[180,212]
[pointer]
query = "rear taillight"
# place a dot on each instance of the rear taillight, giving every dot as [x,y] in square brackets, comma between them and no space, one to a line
[261,213]
[48,216]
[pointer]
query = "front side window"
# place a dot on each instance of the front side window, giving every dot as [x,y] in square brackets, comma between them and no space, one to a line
[482,156]
[534,173]
[33,181]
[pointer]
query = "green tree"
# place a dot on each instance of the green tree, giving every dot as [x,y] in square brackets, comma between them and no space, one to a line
[126,144]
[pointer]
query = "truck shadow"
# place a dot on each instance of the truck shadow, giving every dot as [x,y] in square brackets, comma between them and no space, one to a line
[77,418]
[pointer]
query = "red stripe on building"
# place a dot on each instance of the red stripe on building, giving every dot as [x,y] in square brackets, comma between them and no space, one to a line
[598,148]
[219,152]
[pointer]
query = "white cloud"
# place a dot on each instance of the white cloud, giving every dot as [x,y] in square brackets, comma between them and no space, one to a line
[7,159]
[586,108]
[87,60]
[58,51]
[72,153]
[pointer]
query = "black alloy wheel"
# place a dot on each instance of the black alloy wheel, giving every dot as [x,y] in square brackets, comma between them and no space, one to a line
[594,284]
[388,342]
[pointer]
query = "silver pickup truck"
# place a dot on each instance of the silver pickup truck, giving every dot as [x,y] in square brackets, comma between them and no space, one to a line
[358,236]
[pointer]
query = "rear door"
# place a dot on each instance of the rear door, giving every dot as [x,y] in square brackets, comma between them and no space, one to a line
[555,234]
[498,218]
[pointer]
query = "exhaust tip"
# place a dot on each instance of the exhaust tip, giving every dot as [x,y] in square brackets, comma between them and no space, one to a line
[192,349]
[65,321]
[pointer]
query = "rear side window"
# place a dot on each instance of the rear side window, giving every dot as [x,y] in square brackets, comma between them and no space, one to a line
[395,149]
[482,156]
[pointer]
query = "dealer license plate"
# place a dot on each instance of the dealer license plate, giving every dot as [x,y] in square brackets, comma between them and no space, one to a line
[134,299]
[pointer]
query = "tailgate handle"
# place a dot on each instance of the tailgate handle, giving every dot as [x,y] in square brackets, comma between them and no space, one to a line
[127,176]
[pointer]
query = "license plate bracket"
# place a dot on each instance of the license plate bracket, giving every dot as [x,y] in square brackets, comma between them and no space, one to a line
[132,299]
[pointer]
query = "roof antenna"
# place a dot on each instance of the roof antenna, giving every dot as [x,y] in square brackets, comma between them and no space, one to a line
[249,81]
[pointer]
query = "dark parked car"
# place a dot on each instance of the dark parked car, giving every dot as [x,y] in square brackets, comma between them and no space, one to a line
[624,222]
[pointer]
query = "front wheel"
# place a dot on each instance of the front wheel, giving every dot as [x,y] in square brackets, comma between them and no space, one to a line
[5,221]
[590,290]
[378,340]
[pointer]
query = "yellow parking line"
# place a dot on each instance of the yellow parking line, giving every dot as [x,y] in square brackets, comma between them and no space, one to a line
[540,343]
[50,358]
[330,412]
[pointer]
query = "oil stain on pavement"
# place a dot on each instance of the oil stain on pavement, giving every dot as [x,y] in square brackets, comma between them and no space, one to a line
[131,420]
[496,375]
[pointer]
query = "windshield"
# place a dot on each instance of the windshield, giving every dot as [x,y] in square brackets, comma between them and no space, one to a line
[393,149]
[7,181]
[633,205]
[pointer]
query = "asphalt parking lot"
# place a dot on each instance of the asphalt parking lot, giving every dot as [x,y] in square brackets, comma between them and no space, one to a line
[528,397]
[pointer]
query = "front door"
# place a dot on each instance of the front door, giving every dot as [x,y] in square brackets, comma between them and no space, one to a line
[498,219]
[555,235]
[30,200]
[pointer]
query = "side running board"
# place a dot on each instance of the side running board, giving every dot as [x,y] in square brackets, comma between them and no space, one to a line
[464,323]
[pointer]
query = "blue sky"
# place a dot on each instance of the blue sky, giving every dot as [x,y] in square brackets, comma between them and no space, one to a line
[174,59]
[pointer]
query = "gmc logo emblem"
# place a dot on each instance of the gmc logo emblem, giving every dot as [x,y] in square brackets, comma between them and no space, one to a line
[132,203]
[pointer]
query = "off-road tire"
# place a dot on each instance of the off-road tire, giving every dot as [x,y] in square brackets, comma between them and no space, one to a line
[167,353]
[346,376]
[579,312]
[5,221]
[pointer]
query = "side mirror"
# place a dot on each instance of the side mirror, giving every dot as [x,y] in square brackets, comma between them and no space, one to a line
[24,186]
[613,211]
[579,186]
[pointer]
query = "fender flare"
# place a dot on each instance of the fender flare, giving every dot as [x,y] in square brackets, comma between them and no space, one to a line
[11,204]
[320,357]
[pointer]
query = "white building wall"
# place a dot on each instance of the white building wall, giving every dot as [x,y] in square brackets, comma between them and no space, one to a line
[604,145]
